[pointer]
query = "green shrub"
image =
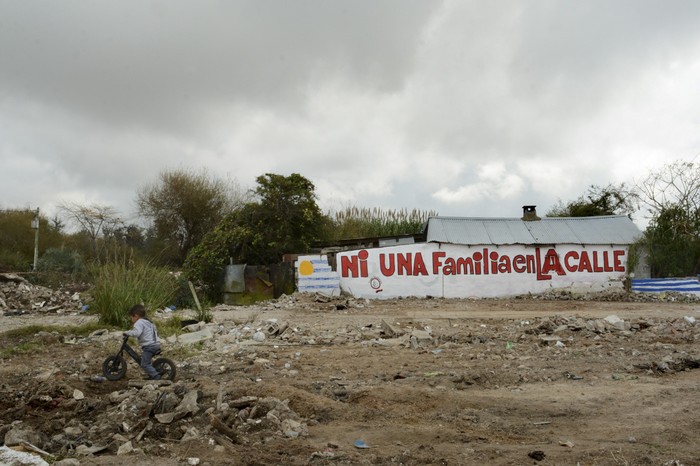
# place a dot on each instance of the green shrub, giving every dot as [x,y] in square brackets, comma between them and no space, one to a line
[170,326]
[13,261]
[204,314]
[117,287]
[62,260]
[183,296]
[58,267]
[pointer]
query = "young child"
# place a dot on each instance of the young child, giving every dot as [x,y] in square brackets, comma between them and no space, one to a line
[147,335]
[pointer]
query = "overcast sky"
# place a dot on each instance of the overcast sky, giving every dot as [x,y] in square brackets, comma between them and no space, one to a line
[468,108]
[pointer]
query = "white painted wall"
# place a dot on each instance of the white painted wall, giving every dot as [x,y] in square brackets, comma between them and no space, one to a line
[457,271]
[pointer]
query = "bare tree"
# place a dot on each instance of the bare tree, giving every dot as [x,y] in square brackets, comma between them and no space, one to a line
[92,220]
[674,185]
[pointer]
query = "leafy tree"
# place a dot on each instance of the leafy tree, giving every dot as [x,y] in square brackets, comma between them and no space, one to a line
[182,207]
[17,238]
[206,261]
[672,243]
[286,219]
[607,200]
[130,235]
[283,218]
[672,239]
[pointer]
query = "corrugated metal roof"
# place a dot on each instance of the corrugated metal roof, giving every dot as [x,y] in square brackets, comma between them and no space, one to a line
[609,229]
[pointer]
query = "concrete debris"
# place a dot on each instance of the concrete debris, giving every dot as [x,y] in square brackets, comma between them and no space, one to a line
[125,448]
[18,297]
[196,336]
[188,406]
[128,419]
[20,434]
[12,457]
[615,295]
[142,413]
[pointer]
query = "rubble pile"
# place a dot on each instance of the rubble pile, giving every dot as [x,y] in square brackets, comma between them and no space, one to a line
[229,336]
[615,295]
[229,371]
[82,419]
[18,296]
[308,302]
[140,418]
[259,378]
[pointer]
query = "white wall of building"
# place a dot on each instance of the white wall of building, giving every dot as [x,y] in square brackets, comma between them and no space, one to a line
[458,271]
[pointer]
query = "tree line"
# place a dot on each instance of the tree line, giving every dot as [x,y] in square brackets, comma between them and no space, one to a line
[196,222]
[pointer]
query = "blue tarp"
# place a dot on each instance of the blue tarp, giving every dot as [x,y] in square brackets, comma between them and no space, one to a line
[659,285]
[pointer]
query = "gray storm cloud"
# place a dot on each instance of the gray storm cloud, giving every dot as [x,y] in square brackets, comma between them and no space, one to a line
[464,107]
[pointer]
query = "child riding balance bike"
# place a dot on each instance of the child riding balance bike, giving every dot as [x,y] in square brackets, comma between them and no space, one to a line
[114,367]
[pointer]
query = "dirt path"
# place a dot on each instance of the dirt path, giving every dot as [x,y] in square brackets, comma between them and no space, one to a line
[496,382]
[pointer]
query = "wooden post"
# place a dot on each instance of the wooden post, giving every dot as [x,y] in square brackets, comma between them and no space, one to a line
[194,295]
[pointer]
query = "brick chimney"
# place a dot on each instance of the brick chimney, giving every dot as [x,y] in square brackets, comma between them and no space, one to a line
[530,213]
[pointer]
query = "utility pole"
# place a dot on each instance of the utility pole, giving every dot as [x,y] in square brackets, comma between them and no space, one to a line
[35,227]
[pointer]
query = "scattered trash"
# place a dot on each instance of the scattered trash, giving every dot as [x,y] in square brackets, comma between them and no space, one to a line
[328,453]
[360,444]
[567,443]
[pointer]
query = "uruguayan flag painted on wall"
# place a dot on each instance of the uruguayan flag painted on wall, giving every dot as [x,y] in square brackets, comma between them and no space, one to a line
[315,275]
[659,285]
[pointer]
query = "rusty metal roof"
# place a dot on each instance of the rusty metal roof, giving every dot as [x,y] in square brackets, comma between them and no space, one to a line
[609,229]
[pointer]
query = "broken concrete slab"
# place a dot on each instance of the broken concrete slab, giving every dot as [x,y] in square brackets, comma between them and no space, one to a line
[195,337]
[391,330]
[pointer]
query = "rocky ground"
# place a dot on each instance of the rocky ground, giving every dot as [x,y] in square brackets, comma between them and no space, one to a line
[308,380]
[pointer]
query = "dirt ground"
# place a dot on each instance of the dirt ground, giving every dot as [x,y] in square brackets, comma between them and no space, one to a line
[418,381]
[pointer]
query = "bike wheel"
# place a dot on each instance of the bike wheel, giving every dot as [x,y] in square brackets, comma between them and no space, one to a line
[114,367]
[165,367]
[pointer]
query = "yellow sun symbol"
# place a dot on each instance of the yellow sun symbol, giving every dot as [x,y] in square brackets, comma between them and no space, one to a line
[306,268]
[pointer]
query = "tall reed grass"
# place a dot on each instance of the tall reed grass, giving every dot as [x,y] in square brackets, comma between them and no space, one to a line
[354,222]
[117,287]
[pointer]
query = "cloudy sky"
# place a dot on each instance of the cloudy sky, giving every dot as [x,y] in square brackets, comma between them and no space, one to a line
[468,108]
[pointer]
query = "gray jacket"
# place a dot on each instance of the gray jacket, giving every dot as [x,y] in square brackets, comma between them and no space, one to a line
[145,331]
